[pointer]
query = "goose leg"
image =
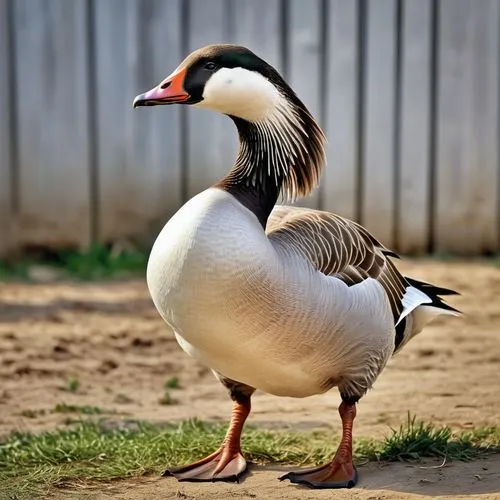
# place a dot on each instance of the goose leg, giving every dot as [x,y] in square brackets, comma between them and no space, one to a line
[340,472]
[227,463]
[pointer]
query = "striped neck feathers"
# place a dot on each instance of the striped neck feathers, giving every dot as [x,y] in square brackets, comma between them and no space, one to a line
[281,152]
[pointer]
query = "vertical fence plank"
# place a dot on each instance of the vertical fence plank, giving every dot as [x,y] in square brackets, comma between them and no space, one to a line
[6,215]
[304,63]
[414,168]
[256,25]
[378,201]
[212,138]
[52,115]
[341,114]
[467,148]
[139,165]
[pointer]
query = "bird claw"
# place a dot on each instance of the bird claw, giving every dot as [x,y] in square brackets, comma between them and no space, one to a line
[216,467]
[332,475]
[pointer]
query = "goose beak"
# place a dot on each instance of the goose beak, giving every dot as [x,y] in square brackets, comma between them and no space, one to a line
[170,91]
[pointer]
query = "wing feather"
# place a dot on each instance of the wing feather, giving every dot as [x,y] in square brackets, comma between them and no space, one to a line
[338,247]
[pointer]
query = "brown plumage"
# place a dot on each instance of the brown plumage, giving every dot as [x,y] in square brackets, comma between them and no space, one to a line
[338,247]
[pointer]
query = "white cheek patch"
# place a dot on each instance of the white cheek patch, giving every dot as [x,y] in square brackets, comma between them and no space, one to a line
[242,93]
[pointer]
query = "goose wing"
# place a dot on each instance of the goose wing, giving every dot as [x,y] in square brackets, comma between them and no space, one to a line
[339,247]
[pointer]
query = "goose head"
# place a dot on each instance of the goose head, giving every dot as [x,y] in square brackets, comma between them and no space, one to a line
[226,78]
[281,145]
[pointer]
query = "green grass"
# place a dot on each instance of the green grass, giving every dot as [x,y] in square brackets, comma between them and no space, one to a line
[167,399]
[172,383]
[72,385]
[416,440]
[81,409]
[100,451]
[102,261]
[98,262]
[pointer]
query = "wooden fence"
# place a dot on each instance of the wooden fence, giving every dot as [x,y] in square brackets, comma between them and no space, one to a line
[407,91]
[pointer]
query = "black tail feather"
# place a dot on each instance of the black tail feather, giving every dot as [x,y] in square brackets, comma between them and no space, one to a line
[432,289]
[433,292]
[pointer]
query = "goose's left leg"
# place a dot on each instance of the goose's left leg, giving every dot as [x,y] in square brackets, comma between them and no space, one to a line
[340,472]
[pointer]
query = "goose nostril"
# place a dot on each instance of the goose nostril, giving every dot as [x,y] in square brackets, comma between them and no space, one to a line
[165,85]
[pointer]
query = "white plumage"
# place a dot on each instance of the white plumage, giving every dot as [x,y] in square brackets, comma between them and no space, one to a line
[288,300]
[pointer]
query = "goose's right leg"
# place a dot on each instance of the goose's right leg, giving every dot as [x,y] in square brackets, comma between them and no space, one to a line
[227,463]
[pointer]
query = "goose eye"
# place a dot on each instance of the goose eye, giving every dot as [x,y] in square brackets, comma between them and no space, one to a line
[210,65]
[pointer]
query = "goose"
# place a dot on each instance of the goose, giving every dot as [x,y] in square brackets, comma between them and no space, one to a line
[288,300]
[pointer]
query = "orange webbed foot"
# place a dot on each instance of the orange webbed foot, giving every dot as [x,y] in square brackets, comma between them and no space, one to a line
[223,465]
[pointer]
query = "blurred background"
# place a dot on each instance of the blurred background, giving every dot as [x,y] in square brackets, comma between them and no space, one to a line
[406,90]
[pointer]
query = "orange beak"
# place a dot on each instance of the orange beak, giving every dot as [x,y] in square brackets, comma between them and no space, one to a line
[170,91]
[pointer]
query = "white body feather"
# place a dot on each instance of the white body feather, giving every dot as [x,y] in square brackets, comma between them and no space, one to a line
[260,314]
[250,307]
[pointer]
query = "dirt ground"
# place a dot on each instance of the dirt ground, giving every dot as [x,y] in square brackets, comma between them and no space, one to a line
[109,337]
[395,481]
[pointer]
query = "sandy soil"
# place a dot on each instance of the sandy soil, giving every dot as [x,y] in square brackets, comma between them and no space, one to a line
[110,337]
[396,481]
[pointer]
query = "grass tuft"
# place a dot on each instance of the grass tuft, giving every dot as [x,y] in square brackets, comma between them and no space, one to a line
[82,409]
[105,451]
[417,440]
[172,383]
[72,385]
[167,399]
